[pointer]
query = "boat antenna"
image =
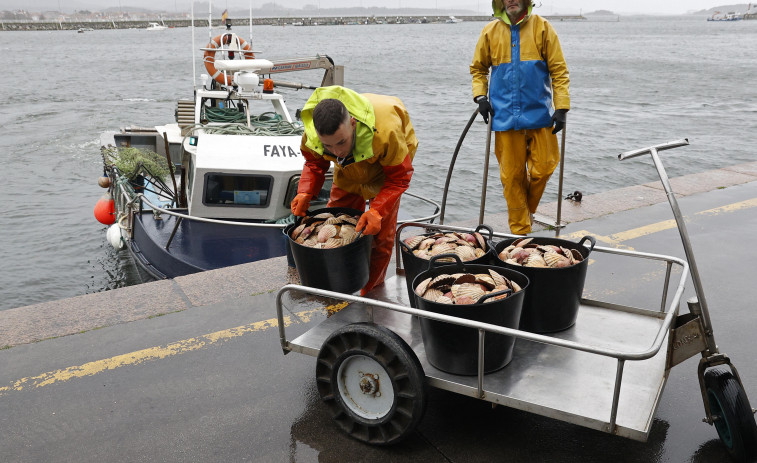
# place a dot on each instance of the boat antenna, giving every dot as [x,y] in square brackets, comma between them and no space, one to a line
[210,22]
[194,64]
[250,36]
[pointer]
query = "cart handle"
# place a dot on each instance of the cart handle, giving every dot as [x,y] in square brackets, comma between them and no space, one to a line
[648,149]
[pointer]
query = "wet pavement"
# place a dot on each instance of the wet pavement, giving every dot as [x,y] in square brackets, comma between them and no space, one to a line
[197,374]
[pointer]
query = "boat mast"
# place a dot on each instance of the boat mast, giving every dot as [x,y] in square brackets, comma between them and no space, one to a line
[194,63]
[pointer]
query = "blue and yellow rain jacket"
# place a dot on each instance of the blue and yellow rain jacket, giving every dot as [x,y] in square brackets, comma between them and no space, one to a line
[529,77]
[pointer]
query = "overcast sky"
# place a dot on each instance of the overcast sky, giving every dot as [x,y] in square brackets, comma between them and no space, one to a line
[483,6]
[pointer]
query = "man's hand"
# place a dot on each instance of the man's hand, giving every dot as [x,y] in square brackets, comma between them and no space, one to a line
[558,120]
[300,204]
[484,108]
[369,223]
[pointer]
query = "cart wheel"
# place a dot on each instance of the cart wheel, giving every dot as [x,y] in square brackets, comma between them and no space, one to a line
[372,383]
[734,419]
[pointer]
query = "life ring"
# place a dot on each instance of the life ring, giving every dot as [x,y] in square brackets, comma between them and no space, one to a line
[215,45]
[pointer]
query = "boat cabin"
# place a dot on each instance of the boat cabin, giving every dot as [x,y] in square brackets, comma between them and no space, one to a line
[242,176]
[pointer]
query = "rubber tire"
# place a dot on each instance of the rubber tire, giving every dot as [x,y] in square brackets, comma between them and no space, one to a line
[400,363]
[736,426]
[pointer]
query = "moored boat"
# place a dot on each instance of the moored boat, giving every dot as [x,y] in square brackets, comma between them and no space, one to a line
[231,163]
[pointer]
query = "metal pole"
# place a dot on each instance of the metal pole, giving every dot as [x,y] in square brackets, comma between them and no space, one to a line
[170,168]
[486,171]
[194,68]
[559,187]
[698,288]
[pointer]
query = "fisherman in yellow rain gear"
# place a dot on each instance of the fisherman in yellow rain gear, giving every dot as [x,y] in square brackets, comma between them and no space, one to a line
[371,142]
[528,89]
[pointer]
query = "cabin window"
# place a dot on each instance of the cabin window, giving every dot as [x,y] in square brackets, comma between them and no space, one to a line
[323,195]
[237,190]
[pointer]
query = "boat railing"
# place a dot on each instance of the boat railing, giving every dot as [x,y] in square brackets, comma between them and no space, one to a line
[131,201]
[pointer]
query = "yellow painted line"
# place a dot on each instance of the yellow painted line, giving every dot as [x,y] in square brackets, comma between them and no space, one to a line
[617,238]
[161,352]
[731,207]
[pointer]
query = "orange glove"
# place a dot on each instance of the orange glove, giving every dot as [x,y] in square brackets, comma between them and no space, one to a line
[300,204]
[369,223]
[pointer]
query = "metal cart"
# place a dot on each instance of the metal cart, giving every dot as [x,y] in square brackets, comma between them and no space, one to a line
[607,372]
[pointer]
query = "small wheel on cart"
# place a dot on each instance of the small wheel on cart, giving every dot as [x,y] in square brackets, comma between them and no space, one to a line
[372,383]
[732,414]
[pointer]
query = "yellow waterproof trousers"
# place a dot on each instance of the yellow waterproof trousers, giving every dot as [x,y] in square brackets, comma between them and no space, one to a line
[526,158]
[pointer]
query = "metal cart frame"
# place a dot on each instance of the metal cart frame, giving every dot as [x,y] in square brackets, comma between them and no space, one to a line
[607,372]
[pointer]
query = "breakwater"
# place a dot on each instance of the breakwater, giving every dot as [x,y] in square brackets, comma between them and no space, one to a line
[73,25]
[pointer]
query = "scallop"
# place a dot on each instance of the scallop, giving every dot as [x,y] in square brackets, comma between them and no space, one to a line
[535,260]
[497,278]
[326,232]
[480,239]
[442,280]
[413,241]
[485,280]
[332,243]
[471,290]
[443,300]
[556,260]
[323,215]
[465,253]
[441,249]
[310,242]
[520,242]
[348,219]
[432,294]
[426,243]
[297,230]
[347,233]
[422,286]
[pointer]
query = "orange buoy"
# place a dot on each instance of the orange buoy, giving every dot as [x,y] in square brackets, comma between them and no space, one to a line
[105,210]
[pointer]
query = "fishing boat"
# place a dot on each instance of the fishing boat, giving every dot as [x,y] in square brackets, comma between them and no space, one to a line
[232,167]
[730,16]
[453,20]
[156,27]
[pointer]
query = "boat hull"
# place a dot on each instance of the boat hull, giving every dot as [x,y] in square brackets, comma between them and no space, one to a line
[198,246]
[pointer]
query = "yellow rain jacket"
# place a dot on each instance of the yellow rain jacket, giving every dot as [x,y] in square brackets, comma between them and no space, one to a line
[384,138]
[529,77]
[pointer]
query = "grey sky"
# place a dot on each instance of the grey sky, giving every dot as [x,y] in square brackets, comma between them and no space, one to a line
[483,6]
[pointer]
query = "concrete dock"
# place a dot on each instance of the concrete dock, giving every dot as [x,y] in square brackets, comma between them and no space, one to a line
[191,369]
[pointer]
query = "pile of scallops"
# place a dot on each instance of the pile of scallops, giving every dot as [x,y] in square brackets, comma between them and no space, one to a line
[325,230]
[523,252]
[466,288]
[468,246]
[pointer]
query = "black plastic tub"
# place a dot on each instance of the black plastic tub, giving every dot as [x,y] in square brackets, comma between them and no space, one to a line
[551,303]
[344,269]
[414,265]
[454,348]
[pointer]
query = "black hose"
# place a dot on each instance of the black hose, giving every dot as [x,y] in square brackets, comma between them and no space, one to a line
[452,165]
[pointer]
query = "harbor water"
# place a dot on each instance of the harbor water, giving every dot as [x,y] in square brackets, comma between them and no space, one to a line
[636,82]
